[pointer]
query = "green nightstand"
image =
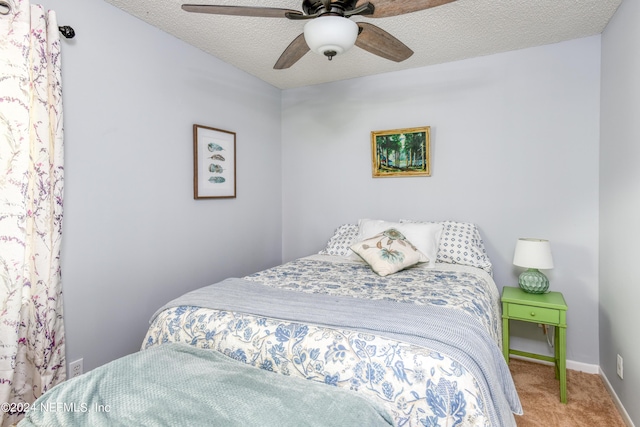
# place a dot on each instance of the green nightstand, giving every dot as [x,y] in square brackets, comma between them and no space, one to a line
[547,309]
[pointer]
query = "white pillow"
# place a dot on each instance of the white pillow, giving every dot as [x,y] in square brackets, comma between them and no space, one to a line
[425,236]
[388,252]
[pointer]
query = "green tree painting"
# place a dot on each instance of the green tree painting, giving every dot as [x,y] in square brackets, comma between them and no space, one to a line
[403,152]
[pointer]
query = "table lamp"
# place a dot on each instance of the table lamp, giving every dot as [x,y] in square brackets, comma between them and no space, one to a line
[533,254]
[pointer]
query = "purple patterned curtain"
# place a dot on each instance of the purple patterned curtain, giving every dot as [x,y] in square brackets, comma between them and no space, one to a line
[32,356]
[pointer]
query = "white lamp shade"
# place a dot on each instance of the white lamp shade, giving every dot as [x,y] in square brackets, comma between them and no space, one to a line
[330,34]
[533,253]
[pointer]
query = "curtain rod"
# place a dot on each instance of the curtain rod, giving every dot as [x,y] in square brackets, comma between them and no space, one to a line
[65,30]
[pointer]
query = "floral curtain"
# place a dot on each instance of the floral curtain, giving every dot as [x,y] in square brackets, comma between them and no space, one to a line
[32,356]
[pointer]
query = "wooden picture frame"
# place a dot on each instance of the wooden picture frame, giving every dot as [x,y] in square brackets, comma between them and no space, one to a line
[401,152]
[214,163]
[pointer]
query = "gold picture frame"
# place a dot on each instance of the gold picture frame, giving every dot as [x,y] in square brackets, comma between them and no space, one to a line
[214,163]
[401,152]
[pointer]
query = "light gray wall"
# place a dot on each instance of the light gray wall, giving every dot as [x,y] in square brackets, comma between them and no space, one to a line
[620,204]
[134,237]
[514,150]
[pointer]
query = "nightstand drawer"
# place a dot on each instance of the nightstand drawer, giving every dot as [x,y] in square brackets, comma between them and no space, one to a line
[534,314]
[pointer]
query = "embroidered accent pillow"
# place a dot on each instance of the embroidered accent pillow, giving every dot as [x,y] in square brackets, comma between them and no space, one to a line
[424,236]
[388,252]
[342,238]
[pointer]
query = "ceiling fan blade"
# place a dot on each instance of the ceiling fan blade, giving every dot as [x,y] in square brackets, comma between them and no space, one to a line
[261,12]
[296,50]
[387,8]
[377,41]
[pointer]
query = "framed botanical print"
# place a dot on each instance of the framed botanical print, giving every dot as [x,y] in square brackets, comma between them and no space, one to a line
[214,163]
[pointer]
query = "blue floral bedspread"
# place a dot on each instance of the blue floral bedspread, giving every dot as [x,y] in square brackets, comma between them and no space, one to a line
[455,286]
[418,386]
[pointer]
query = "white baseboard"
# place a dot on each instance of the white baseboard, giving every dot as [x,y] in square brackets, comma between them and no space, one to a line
[576,366]
[623,412]
[583,367]
[589,369]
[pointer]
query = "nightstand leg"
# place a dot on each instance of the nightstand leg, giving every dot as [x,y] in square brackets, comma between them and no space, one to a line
[505,339]
[556,350]
[562,362]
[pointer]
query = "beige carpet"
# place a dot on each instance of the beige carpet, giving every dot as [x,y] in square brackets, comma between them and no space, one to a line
[589,403]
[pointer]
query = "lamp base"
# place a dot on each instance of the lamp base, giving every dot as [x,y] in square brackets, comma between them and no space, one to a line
[533,282]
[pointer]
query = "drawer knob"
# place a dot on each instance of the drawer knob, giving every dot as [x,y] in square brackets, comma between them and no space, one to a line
[533,314]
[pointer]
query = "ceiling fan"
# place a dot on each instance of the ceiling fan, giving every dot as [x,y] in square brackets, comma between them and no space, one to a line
[329,31]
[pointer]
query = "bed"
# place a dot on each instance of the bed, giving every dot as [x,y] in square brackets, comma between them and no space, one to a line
[421,344]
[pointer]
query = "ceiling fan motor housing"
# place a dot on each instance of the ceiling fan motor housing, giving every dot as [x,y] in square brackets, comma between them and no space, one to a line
[311,7]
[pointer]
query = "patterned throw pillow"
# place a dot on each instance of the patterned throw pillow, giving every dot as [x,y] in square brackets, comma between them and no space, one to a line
[461,243]
[388,252]
[339,243]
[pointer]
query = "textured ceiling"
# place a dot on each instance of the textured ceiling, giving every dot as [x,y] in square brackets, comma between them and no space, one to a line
[458,30]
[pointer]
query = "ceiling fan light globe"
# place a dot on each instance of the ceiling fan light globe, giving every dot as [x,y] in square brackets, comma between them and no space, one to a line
[330,34]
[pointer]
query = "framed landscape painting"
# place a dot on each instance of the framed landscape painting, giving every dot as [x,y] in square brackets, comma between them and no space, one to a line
[214,163]
[401,152]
